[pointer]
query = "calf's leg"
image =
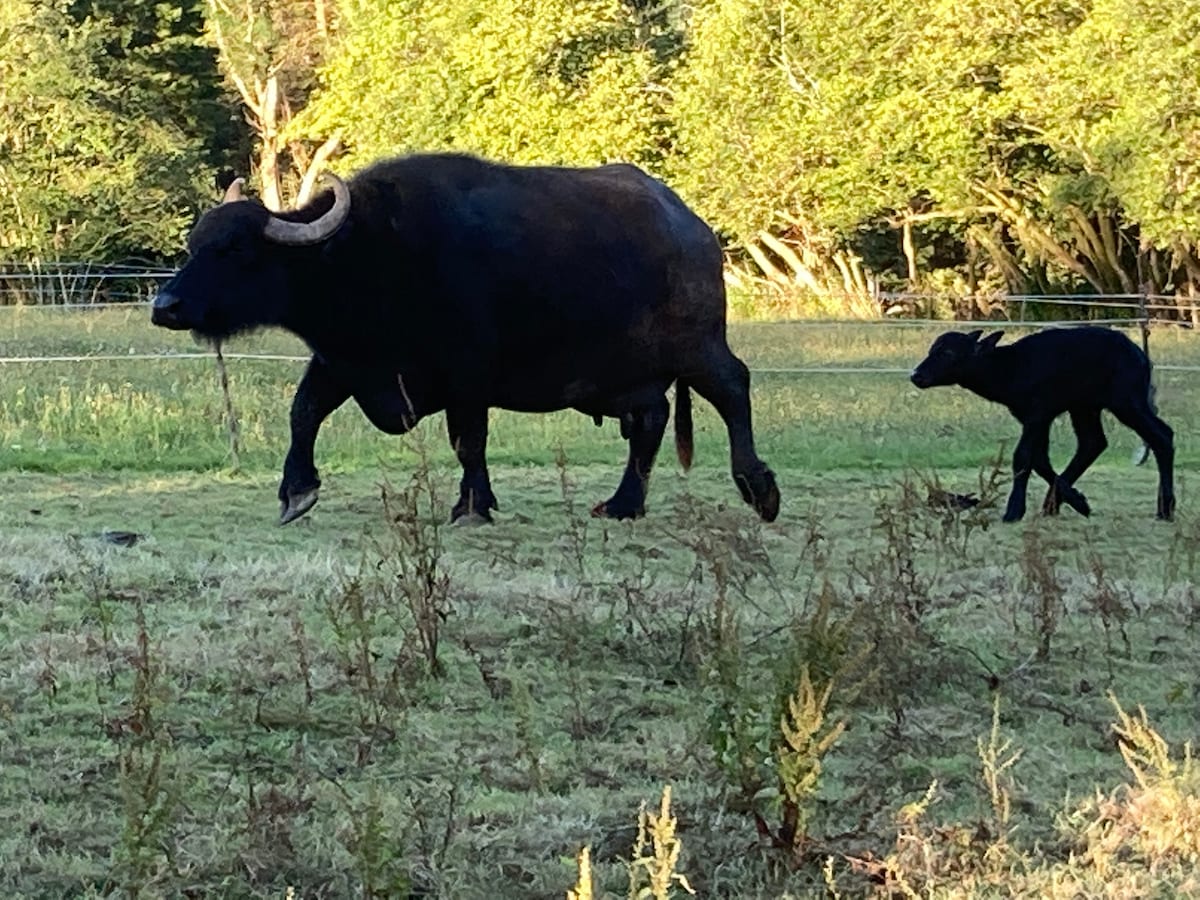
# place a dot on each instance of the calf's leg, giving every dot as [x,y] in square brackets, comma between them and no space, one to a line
[1161,440]
[1089,435]
[1032,454]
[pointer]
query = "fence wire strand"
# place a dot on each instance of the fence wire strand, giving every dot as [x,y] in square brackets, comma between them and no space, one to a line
[96,282]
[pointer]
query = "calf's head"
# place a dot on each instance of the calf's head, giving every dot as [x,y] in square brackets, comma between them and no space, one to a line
[952,356]
[240,256]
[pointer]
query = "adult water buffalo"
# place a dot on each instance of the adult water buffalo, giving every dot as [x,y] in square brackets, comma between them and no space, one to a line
[446,282]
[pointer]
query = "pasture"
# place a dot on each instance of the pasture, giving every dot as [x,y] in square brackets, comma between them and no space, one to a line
[371,703]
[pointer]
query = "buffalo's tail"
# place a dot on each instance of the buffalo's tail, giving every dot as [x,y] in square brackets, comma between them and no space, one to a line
[683,424]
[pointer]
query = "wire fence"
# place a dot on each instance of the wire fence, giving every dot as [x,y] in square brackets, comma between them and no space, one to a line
[75,285]
[82,287]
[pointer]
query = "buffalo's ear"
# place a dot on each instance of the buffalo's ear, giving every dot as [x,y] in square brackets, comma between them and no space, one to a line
[989,343]
[974,335]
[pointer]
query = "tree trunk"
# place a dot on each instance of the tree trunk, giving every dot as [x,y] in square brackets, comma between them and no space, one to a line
[769,269]
[910,253]
[309,181]
[268,129]
[322,19]
[802,273]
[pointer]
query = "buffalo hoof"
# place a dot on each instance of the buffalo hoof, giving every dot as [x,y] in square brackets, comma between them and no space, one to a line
[1166,510]
[614,509]
[297,505]
[760,491]
[471,519]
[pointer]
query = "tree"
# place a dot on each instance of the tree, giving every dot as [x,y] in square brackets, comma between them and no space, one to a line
[1116,196]
[810,129]
[569,81]
[269,51]
[82,174]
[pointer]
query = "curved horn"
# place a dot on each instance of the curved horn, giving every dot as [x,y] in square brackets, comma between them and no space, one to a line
[233,193]
[300,233]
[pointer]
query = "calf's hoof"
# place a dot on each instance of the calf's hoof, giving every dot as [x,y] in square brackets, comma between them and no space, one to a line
[297,504]
[1076,501]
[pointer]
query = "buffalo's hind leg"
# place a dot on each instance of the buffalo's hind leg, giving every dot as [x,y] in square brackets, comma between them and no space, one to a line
[1161,440]
[643,426]
[725,383]
[468,427]
[1091,442]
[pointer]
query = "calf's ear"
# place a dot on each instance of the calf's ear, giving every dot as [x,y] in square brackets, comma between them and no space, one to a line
[989,342]
[974,335]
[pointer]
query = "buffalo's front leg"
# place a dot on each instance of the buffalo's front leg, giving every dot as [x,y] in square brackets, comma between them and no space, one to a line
[468,427]
[643,427]
[318,394]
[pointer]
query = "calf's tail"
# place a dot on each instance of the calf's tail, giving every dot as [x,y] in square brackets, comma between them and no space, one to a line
[1142,453]
[683,424]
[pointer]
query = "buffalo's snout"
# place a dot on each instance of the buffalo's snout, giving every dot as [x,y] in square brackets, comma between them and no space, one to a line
[165,311]
[920,379]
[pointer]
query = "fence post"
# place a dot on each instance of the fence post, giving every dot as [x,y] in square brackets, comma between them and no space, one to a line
[235,440]
[1144,318]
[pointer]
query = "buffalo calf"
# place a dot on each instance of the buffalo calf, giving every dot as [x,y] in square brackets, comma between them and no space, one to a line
[1079,371]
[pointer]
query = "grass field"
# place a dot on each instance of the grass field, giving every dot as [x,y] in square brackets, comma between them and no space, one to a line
[367,703]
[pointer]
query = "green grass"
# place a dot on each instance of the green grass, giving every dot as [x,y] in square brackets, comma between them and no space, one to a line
[205,713]
[159,416]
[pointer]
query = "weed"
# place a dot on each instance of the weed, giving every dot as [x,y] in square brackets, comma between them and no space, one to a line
[231,420]
[1040,577]
[997,757]
[529,739]
[149,790]
[575,534]
[827,642]
[410,563]
[375,843]
[961,516]
[354,616]
[583,884]
[434,813]
[653,868]
[905,529]
[303,656]
[1111,603]
[799,754]
[1157,818]
[272,814]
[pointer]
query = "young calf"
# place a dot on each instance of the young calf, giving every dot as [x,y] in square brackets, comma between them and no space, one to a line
[1074,370]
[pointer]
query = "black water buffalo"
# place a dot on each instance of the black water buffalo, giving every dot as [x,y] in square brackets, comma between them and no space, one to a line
[446,282]
[1079,371]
